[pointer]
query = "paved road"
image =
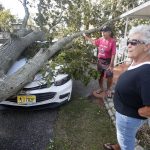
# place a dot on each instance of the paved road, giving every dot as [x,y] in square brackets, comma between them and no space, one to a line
[26,130]
[32,130]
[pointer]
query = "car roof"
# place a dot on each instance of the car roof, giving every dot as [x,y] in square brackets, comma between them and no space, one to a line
[16,66]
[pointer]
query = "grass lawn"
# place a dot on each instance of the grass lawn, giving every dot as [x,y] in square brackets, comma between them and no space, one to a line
[82,125]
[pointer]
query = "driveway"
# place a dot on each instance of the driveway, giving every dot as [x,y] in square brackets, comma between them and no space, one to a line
[32,130]
[26,130]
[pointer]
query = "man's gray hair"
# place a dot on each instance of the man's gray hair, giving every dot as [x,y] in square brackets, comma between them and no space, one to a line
[144,30]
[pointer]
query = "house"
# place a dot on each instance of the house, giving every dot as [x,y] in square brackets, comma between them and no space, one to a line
[141,12]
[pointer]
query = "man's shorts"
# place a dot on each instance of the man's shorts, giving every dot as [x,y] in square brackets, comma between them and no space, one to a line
[102,67]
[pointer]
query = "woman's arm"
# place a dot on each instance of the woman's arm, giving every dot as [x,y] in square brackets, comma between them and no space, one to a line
[144,111]
[113,52]
[112,61]
[111,66]
[88,38]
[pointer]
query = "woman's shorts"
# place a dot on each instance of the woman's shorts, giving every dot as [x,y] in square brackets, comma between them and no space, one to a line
[102,67]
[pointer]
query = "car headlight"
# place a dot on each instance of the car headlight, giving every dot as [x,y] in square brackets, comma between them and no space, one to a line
[62,81]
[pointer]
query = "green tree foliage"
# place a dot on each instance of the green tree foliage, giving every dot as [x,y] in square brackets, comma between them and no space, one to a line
[62,18]
[6,18]
[77,61]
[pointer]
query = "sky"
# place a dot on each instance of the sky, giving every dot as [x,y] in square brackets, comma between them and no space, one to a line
[15,7]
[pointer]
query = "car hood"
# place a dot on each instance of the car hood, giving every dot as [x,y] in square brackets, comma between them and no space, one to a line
[38,79]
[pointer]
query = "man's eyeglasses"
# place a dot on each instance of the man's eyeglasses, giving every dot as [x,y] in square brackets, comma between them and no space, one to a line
[134,42]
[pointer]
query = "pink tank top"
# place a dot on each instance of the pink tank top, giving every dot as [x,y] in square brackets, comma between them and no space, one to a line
[106,48]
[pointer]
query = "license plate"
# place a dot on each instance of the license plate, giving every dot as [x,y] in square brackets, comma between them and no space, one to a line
[26,99]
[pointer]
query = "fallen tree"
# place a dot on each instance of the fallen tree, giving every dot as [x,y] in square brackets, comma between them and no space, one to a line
[10,85]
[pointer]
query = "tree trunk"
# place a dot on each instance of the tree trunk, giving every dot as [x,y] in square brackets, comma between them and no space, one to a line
[12,50]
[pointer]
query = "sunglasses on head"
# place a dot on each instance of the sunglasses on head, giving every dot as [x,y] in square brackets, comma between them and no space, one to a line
[134,42]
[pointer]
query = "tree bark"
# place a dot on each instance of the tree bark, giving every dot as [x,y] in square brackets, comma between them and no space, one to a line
[26,17]
[12,50]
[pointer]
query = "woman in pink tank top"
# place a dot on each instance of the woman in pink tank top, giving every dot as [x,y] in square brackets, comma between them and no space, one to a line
[106,54]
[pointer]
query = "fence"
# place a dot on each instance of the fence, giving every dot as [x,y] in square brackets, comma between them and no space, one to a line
[121,54]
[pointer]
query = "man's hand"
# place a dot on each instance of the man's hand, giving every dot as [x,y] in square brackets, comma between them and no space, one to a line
[86,37]
[110,68]
[84,34]
[144,111]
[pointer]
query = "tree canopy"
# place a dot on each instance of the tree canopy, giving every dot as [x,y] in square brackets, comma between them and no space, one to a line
[6,19]
[65,17]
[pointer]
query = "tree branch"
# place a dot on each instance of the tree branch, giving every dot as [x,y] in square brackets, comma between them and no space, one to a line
[10,85]
[25,20]
[57,20]
[10,52]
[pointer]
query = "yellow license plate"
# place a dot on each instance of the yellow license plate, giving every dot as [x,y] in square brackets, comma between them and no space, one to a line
[26,99]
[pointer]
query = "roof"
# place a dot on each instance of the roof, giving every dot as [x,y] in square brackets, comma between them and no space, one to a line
[141,11]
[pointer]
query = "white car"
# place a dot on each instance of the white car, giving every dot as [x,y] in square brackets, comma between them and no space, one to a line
[38,94]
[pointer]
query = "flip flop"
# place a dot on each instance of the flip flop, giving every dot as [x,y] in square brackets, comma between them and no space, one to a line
[109,146]
[99,91]
[109,93]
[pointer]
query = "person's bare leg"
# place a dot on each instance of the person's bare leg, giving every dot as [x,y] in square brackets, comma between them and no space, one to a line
[100,81]
[109,86]
[109,83]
